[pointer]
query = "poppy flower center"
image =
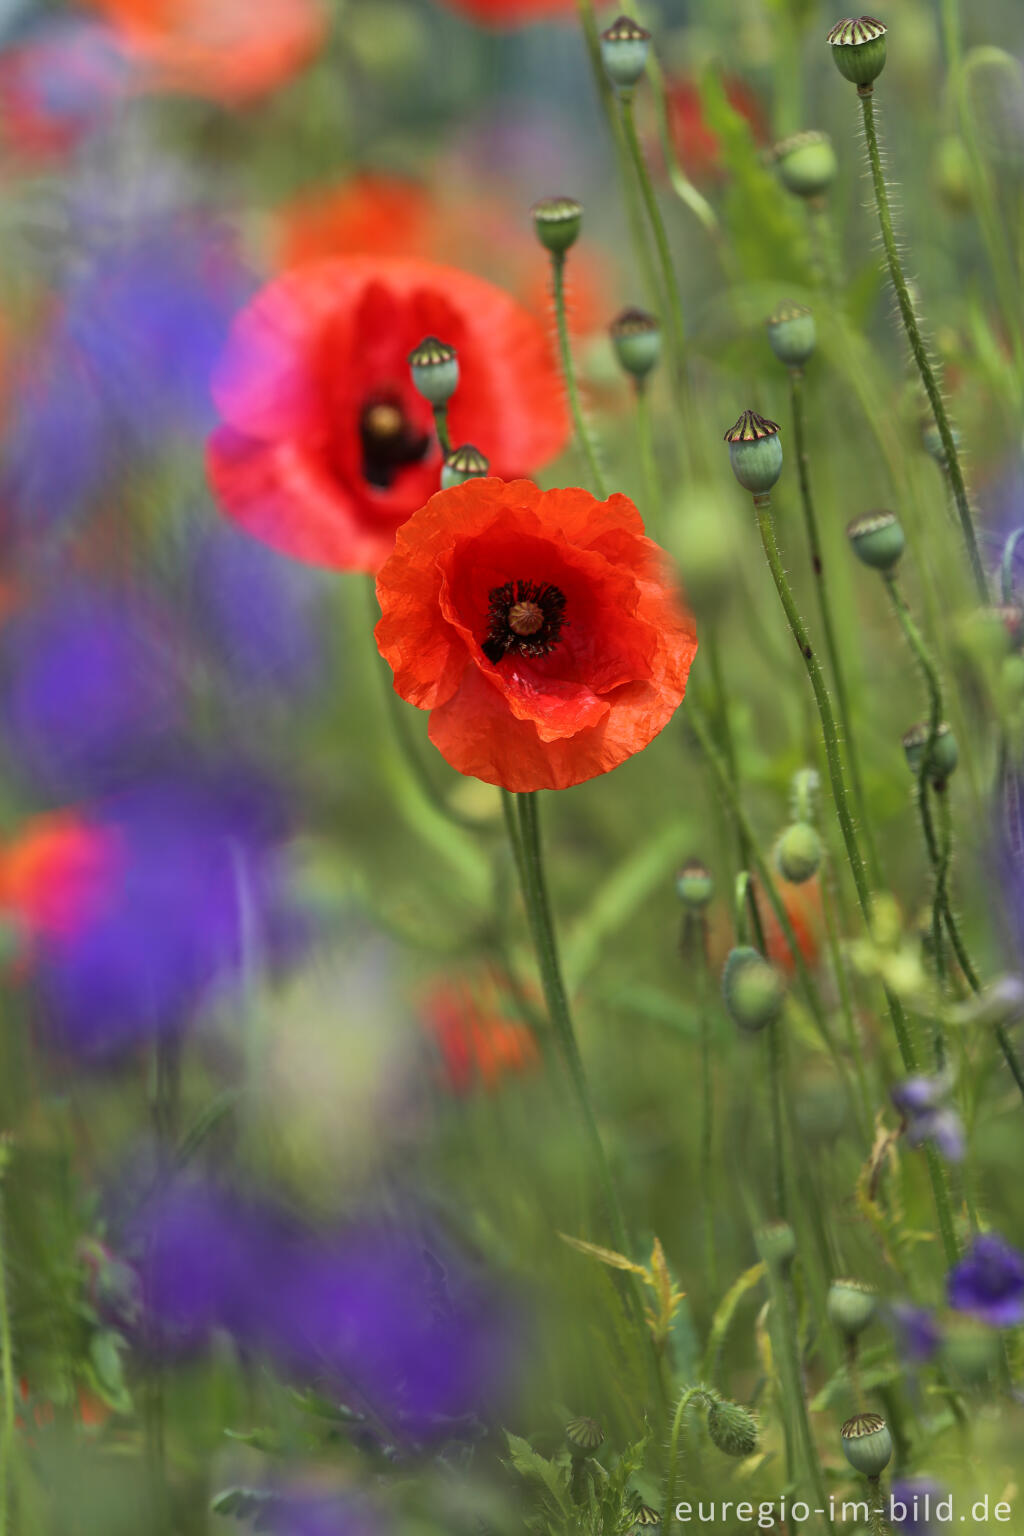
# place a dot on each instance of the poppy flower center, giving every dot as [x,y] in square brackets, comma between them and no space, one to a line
[390,441]
[525,617]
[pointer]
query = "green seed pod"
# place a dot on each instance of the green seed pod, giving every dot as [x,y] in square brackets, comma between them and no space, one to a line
[858,49]
[969,1350]
[753,989]
[732,1429]
[776,1244]
[557,223]
[435,370]
[851,1305]
[806,164]
[462,464]
[636,337]
[624,49]
[945,752]
[798,853]
[755,452]
[583,1436]
[877,540]
[694,885]
[867,1443]
[791,334]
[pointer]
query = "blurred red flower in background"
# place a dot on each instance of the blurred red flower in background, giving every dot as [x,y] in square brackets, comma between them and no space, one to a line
[696,144]
[513,13]
[478,1036]
[229,50]
[326,446]
[540,628]
[54,873]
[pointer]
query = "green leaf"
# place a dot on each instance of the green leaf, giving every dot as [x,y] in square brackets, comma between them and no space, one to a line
[530,1464]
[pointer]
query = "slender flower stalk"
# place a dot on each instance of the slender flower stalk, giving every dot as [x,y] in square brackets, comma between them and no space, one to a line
[917,346]
[648,463]
[791,1374]
[584,437]
[441,428]
[693,947]
[669,281]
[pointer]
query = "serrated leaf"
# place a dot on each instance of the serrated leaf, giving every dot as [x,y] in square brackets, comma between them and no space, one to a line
[725,1312]
[531,1464]
[604,1255]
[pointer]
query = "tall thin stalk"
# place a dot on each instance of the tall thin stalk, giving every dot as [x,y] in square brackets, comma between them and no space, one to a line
[669,282]
[584,438]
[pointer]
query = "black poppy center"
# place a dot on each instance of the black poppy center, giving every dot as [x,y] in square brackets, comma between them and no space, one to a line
[525,617]
[390,441]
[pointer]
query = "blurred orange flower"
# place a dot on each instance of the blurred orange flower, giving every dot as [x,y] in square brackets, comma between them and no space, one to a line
[228,50]
[478,1037]
[52,873]
[696,144]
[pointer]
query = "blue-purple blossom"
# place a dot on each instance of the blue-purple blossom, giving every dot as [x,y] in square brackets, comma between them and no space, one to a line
[988,1283]
[923,1102]
[917,1331]
[89,687]
[920,1497]
[196,899]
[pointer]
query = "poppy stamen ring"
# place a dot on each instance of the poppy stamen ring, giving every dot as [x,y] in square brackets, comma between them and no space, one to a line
[523,616]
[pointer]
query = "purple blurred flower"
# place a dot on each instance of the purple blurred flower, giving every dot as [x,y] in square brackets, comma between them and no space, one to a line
[323,1515]
[58,82]
[259,615]
[920,1497]
[917,1331]
[989,1282]
[923,1102]
[196,895]
[88,687]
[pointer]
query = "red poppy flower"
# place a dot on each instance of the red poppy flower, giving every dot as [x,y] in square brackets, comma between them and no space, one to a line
[54,872]
[228,50]
[479,1041]
[327,447]
[540,628]
[513,13]
[803,908]
[695,142]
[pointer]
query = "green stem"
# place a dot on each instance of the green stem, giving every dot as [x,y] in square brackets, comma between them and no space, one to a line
[834,760]
[584,439]
[677,328]
[669,1496]
[917,347]
[791,1371]
[695,946]
[878,1522]
[648,465]
[776,1090]
[538,910]
[796,395]
[441,428]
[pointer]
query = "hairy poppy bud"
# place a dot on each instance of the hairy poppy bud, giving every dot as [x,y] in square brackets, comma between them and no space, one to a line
[867,1443]
[858,48]
[463,463]
[776,1244]
[733,1429]
[583,1436]
[877,540]
[851,1305]
[636,337]
[557,222]
[945,752]
[755,452]
[435,370]
[624,49]
[694,885]
[798,853]
[791,334]
[753,989]
[806,163]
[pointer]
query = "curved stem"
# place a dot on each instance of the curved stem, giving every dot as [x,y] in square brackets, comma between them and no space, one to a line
[583,435]
[917,347]
[833,758]
[441,428]
[677,329]
[825,609]
[669,1496]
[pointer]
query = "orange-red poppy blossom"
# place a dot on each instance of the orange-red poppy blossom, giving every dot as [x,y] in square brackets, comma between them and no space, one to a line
[326,447]
[479,1040]
[228,50]
[541,629]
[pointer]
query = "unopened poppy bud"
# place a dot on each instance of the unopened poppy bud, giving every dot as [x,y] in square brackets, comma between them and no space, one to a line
[624,49]
[877,540]
[557,222]
[858,49]
[791,334]
[694,885]
[867,1443]
[435,370]
[776,1244]
[945,752]
[850,1306]
[755,452]
[806,163]
[583,1436]
[798,853]
[636,337]
[463,463]
[733,1429]
[753,989]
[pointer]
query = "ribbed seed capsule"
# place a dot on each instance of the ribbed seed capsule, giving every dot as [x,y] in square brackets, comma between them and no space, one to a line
[858,50]
[624,49]
[806,164]
[583,1436]
[877,540]
[435,370]
[636,337]
[867,1443]
[557,222]
[755,452]
[463,463]
[851,1305]
[694,885]
[798,853]
[791,334]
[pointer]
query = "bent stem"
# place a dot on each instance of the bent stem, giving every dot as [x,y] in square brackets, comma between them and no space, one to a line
[917,346]
[796,396]
[691,1394]
[584,439]
[441,428]
[833,758]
